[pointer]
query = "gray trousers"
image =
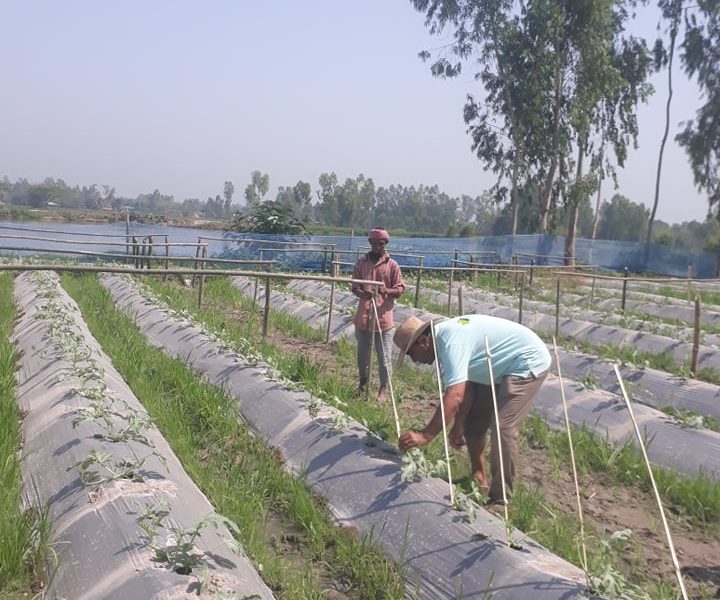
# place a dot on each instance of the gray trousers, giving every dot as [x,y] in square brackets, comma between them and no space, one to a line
[383,348]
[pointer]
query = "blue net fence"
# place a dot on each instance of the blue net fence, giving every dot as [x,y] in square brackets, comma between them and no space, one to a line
[439,252]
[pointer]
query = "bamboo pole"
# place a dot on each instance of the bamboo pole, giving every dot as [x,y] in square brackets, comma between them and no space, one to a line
[641,443]
[257,282]
[450,285]
[334,268]
[388,366]
[419,277]
[499,440]
[461,303]
[167,255]
[557,307]
[624,288]
[696,338]
[197,255]
[201,279]
[572,461]
[522,293]
[149,252]
[442,414]
[266,312]
[371,329]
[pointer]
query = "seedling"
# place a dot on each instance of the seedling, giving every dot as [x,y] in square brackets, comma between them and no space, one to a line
[96,468]
[415,466]
[179,552]
[589,381]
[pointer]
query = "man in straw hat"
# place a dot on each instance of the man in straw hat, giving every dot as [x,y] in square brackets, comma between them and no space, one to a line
[376,265]
[520,362]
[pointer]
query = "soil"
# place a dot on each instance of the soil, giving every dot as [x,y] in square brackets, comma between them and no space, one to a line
[607,506]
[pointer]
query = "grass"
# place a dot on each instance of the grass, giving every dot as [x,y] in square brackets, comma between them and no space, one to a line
[24,533]
[241,476]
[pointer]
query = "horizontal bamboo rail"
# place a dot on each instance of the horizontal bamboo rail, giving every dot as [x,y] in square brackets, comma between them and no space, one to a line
[57,231]
[206,272]
[88,243]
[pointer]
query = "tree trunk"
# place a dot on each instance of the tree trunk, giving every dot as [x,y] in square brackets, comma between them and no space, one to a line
[514,190]
[596,216]
[648,239]
[546,192]
[574,207]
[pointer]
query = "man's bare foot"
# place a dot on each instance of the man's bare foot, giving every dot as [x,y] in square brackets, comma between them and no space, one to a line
[381,398]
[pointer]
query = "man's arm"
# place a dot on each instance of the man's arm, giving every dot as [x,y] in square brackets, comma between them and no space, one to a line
[357,288]
[393,285]
[452,399]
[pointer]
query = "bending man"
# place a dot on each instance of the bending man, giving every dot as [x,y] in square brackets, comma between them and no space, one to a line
[520,363]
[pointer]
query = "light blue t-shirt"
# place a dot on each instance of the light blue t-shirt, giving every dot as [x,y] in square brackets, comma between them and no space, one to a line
[515,349]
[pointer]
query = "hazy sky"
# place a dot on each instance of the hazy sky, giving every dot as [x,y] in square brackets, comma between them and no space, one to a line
[183,96]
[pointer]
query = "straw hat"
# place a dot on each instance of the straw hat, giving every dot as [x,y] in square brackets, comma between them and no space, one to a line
[406,335]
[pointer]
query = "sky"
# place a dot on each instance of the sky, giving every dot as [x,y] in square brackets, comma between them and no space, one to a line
[183,95]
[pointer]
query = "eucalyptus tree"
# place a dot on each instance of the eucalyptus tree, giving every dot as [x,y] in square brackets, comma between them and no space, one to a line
[327,208]
[228,191]
[672,13]
[356,202]
[487,31]
[609,79]
[701,59]
[257,188]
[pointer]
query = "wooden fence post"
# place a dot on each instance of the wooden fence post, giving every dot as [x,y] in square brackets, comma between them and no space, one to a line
[419,278]
[696,338]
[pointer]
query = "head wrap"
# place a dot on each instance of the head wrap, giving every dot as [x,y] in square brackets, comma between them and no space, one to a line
[378,234]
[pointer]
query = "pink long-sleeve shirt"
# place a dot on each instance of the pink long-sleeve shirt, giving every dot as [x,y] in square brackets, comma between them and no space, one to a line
[386,270]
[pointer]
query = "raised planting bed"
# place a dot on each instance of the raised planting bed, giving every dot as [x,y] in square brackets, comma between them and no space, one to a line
[128,521]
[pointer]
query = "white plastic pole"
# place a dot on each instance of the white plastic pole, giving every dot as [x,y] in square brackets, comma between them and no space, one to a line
[442,414]
[678,573]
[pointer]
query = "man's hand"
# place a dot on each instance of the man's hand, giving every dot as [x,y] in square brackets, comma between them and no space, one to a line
[412,439]
[364,294]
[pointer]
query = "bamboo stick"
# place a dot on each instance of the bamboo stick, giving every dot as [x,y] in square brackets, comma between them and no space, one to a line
[388,366]
[572,461]
[442,414]
[641,443]
[497,432]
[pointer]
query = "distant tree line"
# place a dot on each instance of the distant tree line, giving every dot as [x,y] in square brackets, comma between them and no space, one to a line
[357,204]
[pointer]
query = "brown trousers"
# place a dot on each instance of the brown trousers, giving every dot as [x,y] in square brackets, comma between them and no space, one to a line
[514,397]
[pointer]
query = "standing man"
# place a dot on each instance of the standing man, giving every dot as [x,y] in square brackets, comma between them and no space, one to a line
[520,362]
[376,265]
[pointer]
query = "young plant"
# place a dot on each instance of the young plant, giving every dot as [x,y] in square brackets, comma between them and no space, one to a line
[180,553]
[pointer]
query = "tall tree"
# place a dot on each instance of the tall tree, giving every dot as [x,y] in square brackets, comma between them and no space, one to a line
[672,13]
[228,191]
[487,31]
[701,59]
[257,188]
[622,219]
